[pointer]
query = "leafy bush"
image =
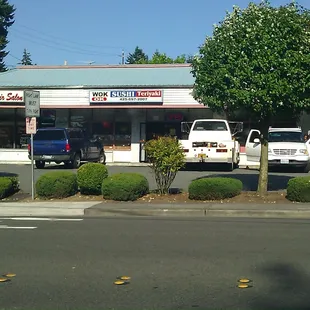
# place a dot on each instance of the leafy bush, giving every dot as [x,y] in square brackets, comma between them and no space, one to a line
[15,183]
[167,157]
[57,184]
[214,188]
[6,187]
[90,177]
[298,189]
[125,187]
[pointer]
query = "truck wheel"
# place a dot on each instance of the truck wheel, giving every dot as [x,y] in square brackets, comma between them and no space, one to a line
[68,165]
[102,158]
[76,162]
[230,166]
[39,164]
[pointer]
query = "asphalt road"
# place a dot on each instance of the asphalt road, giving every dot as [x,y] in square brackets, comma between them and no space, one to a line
[277,180]
[173,264]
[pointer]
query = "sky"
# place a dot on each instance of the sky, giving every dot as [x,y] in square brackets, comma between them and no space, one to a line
[96,31]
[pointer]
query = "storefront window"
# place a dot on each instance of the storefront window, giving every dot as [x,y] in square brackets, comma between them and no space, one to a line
[122,134]
[7,128]
[81,118]
[62,118]
[6,137]
[47,118]
[112,127]
[105,131]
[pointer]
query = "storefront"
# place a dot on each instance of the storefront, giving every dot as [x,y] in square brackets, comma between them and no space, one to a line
[123,116]
[123,105]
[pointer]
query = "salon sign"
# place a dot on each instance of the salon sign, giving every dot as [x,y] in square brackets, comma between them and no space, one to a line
[11,96]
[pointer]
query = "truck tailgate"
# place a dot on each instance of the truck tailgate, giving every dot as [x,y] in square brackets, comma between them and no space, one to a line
[49,147]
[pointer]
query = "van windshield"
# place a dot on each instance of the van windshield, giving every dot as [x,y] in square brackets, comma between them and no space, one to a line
[210,126]
[285,136]
[48,135]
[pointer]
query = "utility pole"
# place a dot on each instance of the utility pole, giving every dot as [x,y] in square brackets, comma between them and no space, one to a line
[123,57]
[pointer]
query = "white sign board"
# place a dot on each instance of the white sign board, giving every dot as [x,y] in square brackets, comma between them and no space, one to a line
[14,96]
[126,96]
[32,103]
[31,125]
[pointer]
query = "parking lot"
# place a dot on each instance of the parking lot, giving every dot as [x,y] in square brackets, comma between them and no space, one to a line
[277,180]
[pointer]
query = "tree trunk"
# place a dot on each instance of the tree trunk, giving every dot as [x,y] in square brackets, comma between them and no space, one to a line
[262,188]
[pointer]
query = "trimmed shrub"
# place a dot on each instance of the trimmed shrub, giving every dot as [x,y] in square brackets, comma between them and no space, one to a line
[214,188]
[90,177]
[298,189]
[125,187]
[6,187]
[57,184]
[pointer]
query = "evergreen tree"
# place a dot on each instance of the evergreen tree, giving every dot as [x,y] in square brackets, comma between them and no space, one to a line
[7,19]
[137,57]
[26,60]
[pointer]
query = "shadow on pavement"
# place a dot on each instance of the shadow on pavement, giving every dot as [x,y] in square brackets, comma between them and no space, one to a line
[205,167]
[250,181]
[8,174]
[288,288]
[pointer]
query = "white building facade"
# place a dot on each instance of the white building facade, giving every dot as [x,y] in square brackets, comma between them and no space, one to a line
[123,116]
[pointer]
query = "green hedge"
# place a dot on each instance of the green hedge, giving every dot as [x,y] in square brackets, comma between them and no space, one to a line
[57,184]
[90,177]
[8,186]
[214,188]
[125,187]
[298,189]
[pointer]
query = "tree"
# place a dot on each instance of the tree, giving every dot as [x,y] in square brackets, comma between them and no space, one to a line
[7,19]
[166,157]
[160,58]
[137,57]
[26,60]
[180,59]
[189,59]
[257,60]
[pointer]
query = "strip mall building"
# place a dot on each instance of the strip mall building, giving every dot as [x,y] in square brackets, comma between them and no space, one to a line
[125,105]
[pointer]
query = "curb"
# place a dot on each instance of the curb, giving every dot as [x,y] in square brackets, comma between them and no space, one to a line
[36,211]
[202,212]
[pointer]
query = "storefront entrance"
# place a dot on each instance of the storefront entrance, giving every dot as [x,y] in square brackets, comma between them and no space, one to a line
[153,130]
[161,129]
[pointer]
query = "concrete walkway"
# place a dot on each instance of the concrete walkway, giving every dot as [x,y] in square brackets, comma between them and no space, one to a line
[95,209]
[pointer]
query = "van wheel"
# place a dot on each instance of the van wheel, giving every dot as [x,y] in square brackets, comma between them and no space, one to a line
[39,164]
[76,162]
[102,158]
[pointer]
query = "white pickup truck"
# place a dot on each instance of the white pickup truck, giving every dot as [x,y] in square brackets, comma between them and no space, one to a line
[286,147]
[211,141]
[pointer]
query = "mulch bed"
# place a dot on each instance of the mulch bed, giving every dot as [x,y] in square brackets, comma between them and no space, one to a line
[177,198]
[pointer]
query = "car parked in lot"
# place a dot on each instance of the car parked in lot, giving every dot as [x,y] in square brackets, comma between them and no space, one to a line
[68,145]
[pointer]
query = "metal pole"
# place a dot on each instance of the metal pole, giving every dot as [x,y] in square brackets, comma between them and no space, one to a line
[32,169]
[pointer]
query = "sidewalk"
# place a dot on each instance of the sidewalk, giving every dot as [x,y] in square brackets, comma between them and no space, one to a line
[95,209]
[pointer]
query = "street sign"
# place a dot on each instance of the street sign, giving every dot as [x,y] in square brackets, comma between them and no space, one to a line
[32,103]
[31,125]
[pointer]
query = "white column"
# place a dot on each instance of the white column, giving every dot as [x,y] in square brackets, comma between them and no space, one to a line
[138,116]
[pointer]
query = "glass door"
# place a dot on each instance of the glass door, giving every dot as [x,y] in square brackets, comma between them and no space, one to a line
[142,141]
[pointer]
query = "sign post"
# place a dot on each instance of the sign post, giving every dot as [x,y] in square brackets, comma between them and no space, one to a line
[32,111]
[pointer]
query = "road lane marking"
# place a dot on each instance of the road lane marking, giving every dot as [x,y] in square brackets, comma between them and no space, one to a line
[40,219]
[12,227]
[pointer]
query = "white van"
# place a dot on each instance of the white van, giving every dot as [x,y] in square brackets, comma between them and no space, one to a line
[286,147]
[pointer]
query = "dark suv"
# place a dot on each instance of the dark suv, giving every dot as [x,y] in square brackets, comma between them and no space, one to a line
[67,145]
